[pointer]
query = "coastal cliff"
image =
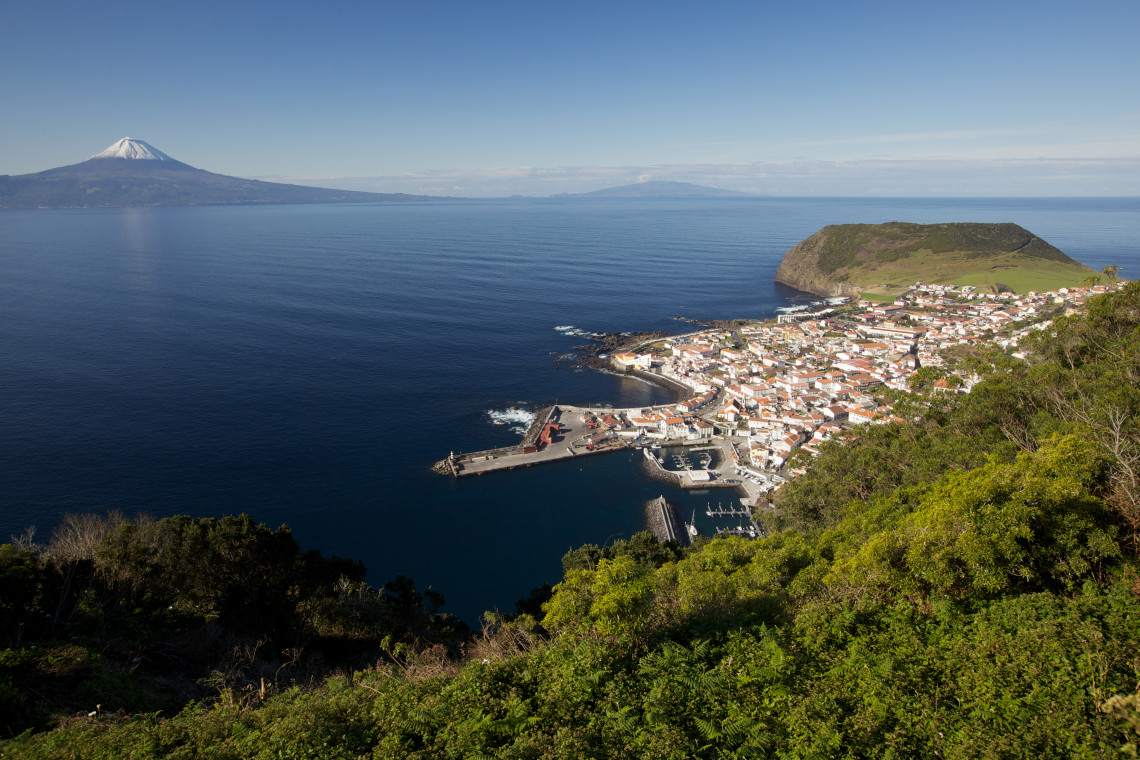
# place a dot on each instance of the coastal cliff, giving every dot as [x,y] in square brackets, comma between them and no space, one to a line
[848,259]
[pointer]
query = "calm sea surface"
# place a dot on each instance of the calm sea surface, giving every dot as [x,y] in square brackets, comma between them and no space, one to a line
[306,364]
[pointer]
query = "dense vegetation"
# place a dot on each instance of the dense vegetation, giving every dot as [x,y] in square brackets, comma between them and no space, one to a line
[960,585]
[847,241]
[143,616]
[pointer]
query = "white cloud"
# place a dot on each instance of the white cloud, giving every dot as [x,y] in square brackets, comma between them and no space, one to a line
[912,137]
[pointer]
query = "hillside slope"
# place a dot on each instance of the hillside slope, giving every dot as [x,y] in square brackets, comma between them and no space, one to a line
[961,583]
[848,259]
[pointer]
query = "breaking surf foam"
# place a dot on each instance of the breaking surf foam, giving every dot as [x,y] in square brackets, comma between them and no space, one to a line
[795,309]
[576,332]
[517,418]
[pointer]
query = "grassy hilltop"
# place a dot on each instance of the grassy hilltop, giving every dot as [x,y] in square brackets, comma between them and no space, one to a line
[848,259]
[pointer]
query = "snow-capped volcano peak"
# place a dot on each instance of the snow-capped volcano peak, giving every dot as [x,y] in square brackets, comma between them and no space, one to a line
[129,147]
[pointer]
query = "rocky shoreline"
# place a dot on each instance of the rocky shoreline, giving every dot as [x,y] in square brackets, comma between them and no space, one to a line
[616,342]
[596,355]
[717,324]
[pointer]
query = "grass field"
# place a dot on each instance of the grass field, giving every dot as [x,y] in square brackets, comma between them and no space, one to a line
[963,268]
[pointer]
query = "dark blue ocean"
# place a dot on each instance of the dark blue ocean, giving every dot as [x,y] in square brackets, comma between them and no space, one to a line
[307,364]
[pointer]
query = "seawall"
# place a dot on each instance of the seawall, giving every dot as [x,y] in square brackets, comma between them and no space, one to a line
[679,389]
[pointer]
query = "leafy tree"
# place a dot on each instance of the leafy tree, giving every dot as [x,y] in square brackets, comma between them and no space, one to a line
[1087,374]
[614,600]
[1029,524]
[643,547]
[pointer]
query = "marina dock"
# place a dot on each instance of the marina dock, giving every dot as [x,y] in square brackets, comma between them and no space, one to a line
[729,511]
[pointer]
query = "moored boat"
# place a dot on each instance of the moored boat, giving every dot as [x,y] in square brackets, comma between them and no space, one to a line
[691,527]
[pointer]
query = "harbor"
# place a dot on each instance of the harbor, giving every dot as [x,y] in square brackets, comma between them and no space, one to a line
[754,396]
[562,432]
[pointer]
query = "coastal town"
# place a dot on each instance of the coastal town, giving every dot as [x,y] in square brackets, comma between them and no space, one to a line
[758,393]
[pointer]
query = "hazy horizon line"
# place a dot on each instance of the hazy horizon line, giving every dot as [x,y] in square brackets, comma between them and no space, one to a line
[936,177]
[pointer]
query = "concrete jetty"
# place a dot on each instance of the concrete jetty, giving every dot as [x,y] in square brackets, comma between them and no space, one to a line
[573,436]
[571,439]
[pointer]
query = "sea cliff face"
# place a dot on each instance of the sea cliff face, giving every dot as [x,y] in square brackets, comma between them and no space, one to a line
[848,259]
[800,269]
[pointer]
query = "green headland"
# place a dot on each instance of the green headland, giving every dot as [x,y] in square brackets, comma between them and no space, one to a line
[850,259]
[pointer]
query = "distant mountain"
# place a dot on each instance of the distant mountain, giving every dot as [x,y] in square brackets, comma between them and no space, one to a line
[129,147]
[658,190]
[134,173]
[849,259]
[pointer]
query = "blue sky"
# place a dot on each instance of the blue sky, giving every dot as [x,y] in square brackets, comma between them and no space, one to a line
[494,98]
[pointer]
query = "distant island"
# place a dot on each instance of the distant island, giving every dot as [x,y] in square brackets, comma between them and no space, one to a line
[850,259]
[134,173]
[658,189]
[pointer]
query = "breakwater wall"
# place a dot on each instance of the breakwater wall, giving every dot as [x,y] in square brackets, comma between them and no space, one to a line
[654,470]
[541,417]
[662,521]
[454,464]
[679,389]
